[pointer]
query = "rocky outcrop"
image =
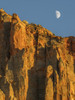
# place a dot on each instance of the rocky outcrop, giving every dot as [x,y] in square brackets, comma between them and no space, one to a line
[34,63]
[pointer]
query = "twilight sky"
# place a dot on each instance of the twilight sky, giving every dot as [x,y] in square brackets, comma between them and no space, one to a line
[43,12]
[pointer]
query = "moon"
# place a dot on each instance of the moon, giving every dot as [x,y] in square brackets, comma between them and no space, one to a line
[58,14]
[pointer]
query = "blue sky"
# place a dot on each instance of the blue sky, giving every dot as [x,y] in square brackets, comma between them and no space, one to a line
[43,12]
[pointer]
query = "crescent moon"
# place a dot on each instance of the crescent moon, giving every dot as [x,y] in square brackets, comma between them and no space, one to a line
[58,14]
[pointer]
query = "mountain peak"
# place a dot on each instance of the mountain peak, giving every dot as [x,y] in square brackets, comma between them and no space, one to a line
[1,10]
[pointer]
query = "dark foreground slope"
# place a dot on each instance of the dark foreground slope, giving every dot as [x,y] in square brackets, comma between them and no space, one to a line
[34,63]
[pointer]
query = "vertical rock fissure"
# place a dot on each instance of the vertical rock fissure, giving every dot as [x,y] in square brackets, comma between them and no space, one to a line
[36,64]
[58,70]
[68,86]
[7,26]
[71,45]
[36,44]
[45,70]
[54,94]
[74,65]
[68,90]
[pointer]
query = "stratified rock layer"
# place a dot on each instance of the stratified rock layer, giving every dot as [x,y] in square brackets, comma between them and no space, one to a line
[34,63]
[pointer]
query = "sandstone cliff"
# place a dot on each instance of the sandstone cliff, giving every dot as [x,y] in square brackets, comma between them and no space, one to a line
[34,63]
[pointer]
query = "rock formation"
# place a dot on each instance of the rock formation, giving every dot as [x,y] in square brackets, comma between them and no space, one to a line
[34,63]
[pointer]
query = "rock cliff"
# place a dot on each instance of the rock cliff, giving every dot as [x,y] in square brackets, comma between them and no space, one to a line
[34,63]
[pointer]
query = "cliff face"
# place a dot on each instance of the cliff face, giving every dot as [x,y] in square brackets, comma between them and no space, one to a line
[34,63]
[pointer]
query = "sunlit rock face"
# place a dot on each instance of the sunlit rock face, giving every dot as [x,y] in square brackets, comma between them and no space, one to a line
[34,63]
